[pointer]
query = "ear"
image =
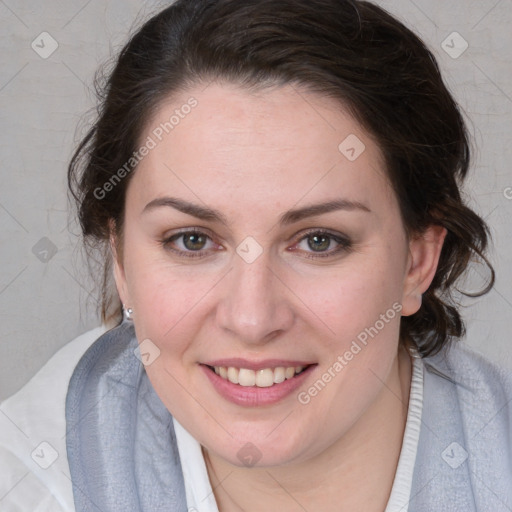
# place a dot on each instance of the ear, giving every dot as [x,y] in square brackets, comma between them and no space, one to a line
[424,253]
[117,262]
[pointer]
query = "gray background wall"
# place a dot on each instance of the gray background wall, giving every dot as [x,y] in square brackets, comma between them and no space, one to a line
[46,295]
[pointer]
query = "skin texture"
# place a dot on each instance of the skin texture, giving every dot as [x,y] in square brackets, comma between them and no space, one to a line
[252,156]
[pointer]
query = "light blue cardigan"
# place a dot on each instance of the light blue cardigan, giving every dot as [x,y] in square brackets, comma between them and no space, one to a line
[123,455]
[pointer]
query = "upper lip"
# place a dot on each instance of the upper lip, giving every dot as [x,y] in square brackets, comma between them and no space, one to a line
[238,362]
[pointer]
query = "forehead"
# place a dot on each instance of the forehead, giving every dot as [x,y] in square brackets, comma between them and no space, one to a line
[282,145]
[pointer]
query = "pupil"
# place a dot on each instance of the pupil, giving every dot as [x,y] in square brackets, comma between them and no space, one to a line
[193,241]
[320,242]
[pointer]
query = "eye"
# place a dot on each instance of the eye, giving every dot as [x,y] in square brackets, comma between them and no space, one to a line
[190,244]
[317,243]
[320,243]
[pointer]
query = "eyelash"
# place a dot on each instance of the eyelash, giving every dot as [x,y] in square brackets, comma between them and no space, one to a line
[344,243]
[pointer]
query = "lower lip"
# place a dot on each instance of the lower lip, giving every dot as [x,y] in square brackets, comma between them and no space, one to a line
[253,396]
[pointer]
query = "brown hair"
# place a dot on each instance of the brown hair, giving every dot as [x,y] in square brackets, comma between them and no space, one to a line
[349,50]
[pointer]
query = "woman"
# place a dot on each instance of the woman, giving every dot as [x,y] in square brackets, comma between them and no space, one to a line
[275,185]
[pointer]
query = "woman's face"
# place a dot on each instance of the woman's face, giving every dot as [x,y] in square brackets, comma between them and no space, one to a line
[297,258]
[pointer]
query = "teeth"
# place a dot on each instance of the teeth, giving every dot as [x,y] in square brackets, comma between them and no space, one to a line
[260,378]
[245,377]
[289,372]
[279,375]
[264,378]
[233,375]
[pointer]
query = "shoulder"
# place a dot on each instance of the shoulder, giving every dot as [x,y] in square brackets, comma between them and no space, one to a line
[465,445]
[33,460]
[478,390]
[472,372]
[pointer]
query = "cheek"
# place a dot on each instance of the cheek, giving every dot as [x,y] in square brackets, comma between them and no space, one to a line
[351,300]
[360,311]
[171,302]
[165,304]
[360,314]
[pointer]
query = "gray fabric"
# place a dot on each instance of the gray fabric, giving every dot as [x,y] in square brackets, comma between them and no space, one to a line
[472,407]
[121,445]
[123,455]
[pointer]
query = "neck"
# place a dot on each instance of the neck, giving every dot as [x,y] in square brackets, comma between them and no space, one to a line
[355,473]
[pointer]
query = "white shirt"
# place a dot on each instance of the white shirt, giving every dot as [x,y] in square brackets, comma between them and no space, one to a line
[34,471]
[200,497]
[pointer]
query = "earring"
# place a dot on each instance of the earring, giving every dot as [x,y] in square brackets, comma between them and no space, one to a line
[127,313]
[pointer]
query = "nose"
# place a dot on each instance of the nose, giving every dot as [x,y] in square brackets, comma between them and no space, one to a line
[255,305]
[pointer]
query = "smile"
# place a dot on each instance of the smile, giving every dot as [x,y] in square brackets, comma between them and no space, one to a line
[263,378]
[263,385]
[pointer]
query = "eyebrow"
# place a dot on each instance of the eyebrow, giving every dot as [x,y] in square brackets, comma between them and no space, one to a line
[289,217]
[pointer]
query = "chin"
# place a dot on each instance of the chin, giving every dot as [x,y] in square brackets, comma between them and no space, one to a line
[258,449]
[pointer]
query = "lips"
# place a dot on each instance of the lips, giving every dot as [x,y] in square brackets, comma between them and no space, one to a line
[251,383]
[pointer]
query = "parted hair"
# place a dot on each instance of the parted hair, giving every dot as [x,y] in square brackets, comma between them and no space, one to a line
[352,51]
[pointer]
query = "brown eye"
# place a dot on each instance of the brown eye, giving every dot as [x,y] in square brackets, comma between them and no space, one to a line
[194,241]
[190,244]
